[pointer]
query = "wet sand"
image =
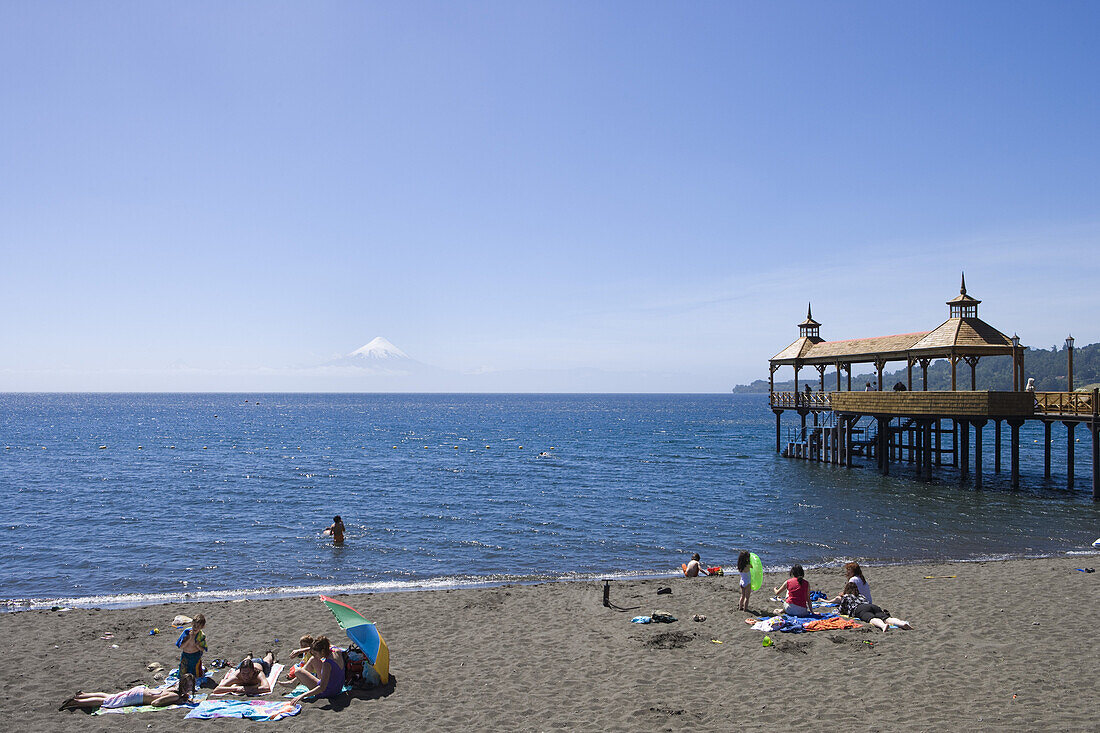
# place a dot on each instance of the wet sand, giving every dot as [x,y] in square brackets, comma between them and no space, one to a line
[1006,645]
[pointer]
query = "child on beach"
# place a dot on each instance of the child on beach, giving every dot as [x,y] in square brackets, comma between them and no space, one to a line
[746,580]
[695,567]
[797,602]
[192,643]
[304,651]
[854,574]
[336,530]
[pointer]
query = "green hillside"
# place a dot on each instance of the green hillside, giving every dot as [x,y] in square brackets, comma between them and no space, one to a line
[1047,367]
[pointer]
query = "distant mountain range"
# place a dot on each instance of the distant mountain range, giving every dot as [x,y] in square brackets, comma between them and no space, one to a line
[1047,367]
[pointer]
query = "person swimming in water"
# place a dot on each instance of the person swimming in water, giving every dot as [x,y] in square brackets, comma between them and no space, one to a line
[336,530]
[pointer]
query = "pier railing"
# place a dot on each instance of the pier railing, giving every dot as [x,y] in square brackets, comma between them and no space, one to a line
[794,400]
[1065,403]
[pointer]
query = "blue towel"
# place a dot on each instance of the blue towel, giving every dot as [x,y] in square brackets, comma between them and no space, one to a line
[641,620]
[251,709]
[795,624]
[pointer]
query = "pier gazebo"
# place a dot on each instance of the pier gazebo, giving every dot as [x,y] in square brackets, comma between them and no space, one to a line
[908,424]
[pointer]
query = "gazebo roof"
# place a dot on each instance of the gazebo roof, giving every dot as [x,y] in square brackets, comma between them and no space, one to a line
[963,336]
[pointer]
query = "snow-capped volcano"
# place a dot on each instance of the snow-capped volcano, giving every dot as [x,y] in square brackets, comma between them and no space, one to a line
[378,348]
[381,357]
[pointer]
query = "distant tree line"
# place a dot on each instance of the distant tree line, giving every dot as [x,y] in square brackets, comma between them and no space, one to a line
[1047,368]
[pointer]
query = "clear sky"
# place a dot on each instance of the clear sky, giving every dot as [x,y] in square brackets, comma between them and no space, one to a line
[623,186]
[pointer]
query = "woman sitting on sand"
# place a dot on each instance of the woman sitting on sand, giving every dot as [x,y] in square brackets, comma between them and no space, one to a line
[323,674]
[854,574]
[141,695]
[248,678]
[853,604]
[797,602]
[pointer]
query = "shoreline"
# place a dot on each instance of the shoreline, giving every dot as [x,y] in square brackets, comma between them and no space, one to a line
[1004,644]
[137,600]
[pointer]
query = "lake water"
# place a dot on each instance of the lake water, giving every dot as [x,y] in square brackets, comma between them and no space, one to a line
[118,499]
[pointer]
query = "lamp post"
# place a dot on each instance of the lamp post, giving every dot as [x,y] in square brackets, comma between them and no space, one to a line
[1069,358]
[1017,373]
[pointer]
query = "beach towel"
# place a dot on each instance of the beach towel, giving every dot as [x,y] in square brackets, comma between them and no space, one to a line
[641,620]
[302,688]
[173,679]
[796,624]
[268,710]
[831,624]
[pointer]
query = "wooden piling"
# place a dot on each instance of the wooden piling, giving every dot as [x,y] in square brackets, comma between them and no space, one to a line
[928,447]
[964,445]
[978,425]
[996,446]
[1046,448]
[1015,440]
[1070,430]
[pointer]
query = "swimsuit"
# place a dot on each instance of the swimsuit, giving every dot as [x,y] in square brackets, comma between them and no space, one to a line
[133,696]
[335,679]
[189,663]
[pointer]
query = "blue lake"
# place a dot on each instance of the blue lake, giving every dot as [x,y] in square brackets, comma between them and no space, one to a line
[113,498]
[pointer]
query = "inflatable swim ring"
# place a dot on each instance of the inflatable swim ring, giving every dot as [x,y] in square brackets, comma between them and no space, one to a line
[756,571]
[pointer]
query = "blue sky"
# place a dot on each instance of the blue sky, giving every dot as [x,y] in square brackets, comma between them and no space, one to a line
[630,187]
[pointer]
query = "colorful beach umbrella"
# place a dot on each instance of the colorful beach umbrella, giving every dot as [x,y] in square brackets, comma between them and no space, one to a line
[364,634]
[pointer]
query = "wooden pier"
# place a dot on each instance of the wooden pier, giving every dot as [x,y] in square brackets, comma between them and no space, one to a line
[922,427]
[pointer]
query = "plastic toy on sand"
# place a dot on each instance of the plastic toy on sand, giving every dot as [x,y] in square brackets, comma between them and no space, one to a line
[756,571]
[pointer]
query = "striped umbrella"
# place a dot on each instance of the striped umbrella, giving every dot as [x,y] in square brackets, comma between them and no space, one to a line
[364,634]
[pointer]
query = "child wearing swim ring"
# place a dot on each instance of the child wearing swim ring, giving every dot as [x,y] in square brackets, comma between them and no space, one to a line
[743,562]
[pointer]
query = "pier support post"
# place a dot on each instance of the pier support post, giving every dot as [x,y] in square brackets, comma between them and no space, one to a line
[1015,440]
[883,443]
[954,443]
[928,447]
[939,432]
[1046,450]
[916,446]
[1071,428]
[964,444]
[978,425]
[849,424]
[778,429]
[1095,430]
[996,446]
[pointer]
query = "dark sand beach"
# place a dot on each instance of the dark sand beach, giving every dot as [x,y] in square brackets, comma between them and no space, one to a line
[1009,645]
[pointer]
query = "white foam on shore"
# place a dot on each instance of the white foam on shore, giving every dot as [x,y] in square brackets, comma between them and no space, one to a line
[132,600]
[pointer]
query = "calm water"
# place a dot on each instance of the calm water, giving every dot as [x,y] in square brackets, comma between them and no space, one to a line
[129,498]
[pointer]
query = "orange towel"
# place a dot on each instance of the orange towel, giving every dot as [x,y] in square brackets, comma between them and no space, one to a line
[831,624]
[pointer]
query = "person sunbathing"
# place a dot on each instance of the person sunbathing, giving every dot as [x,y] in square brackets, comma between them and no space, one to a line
[248,678]
[852,603]
[141,695]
